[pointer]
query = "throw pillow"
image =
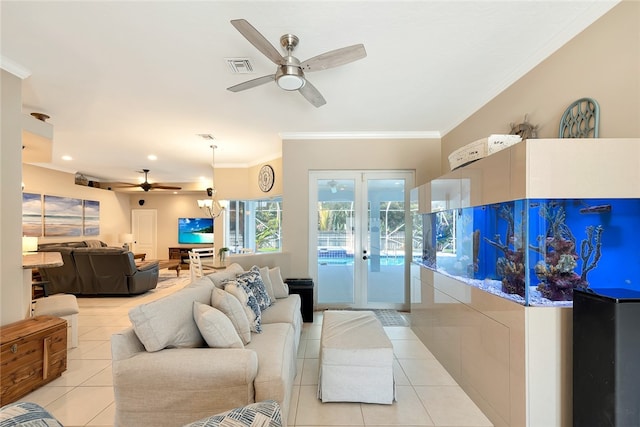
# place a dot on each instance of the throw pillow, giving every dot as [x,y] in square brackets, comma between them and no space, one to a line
[264,275]
[280,289]
[26,414]
[261,414]
[252,280]
[93,243]
[168,322]
[215,327]
[219,277]
[249,303]
[229,305]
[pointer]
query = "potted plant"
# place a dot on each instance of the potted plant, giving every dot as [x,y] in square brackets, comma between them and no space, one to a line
[222,255]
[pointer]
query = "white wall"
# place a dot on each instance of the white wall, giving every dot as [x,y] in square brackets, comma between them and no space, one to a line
[11,289]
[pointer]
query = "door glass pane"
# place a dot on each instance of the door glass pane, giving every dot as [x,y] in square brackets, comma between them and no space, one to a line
[336,240]
[386,241]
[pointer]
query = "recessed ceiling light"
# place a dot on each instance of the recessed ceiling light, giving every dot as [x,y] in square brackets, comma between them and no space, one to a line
[65,157]
[152,157]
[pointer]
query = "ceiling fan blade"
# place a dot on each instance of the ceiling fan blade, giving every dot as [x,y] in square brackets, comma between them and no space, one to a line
[334,58]
[164,187]
[258,40]
[252,83]
[312,94]
[123,185]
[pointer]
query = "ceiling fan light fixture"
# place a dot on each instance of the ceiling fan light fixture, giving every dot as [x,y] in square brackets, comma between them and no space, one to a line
[290,78]
[291,82]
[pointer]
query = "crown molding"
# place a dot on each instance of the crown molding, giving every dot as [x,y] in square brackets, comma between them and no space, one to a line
[13,67]
[361,135]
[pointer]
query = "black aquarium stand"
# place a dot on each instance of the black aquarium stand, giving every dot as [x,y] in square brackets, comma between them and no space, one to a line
[304,288]
[606,357]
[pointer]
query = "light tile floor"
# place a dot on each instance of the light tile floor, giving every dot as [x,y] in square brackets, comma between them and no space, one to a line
[426,393]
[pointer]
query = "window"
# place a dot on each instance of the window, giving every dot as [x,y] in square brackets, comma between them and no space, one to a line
[255,225]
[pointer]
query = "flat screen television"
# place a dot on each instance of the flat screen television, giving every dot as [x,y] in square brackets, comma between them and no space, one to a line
[195,230]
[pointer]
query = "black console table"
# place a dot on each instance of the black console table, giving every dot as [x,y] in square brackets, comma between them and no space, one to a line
[304,288]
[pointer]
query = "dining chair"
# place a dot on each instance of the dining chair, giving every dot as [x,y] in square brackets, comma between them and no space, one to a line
[195,265]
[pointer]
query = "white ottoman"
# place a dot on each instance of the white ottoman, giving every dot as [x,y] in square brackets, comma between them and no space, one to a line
[356,359]
[64,306]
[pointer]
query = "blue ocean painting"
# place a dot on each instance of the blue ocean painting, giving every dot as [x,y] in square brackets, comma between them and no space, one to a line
[31,215]
[62,216]
[91,218]
[195,230]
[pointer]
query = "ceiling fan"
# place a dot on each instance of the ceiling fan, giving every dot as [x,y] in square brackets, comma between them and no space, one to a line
[146,185]
[290,72]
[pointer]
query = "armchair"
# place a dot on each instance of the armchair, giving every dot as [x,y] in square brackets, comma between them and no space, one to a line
[113,271]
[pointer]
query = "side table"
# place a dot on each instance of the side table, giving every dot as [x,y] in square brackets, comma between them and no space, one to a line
[304,288]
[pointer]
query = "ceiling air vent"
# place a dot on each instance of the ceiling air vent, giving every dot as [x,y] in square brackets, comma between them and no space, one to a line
[240,65]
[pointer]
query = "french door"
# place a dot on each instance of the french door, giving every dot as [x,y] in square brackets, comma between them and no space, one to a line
[357,238]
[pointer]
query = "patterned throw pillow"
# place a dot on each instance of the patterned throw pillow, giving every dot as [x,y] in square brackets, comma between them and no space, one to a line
[27,414]
[260,414]
[215,327]
[252,280]
[248,301]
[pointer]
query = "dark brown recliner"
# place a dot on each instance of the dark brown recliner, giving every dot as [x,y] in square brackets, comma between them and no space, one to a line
[63,279]
[113,271]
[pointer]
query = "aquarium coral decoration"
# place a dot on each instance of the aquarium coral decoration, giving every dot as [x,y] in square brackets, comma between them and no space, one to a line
[590,249]
[557,273]
[510,266]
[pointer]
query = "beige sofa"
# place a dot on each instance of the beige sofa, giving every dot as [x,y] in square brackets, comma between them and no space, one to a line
[177,382]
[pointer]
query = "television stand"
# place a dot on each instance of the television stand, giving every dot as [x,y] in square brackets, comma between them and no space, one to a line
[182,253]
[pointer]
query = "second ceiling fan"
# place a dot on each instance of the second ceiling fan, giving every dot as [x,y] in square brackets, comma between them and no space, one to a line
[146,185]
[290,72]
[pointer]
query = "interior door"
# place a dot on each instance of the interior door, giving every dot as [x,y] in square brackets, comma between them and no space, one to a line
[144,229]
[357,246]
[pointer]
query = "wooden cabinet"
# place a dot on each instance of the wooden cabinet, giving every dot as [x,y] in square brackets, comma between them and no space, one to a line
[33,352]
[181,253]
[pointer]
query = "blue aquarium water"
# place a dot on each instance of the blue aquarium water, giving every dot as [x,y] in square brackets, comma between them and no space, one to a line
[536,251]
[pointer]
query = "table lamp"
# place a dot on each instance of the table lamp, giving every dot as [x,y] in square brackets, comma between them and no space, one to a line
[126,239]
[29,244]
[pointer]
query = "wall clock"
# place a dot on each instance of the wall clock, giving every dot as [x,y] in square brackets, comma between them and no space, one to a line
[266,178]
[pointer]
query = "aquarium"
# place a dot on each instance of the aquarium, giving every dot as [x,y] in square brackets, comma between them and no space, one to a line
[537,251]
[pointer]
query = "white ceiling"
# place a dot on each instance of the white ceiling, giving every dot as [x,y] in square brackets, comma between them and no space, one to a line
[122,80]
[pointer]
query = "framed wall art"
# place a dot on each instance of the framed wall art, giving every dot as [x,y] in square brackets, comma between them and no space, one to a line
[91,217]
[62,216]
[31,214]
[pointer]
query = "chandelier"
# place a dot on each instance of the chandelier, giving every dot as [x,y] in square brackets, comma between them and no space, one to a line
[212,206]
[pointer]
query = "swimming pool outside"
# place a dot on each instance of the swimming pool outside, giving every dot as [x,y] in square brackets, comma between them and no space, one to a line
[348,260]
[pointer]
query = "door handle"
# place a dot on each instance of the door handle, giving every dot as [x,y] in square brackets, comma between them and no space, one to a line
[365,257]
